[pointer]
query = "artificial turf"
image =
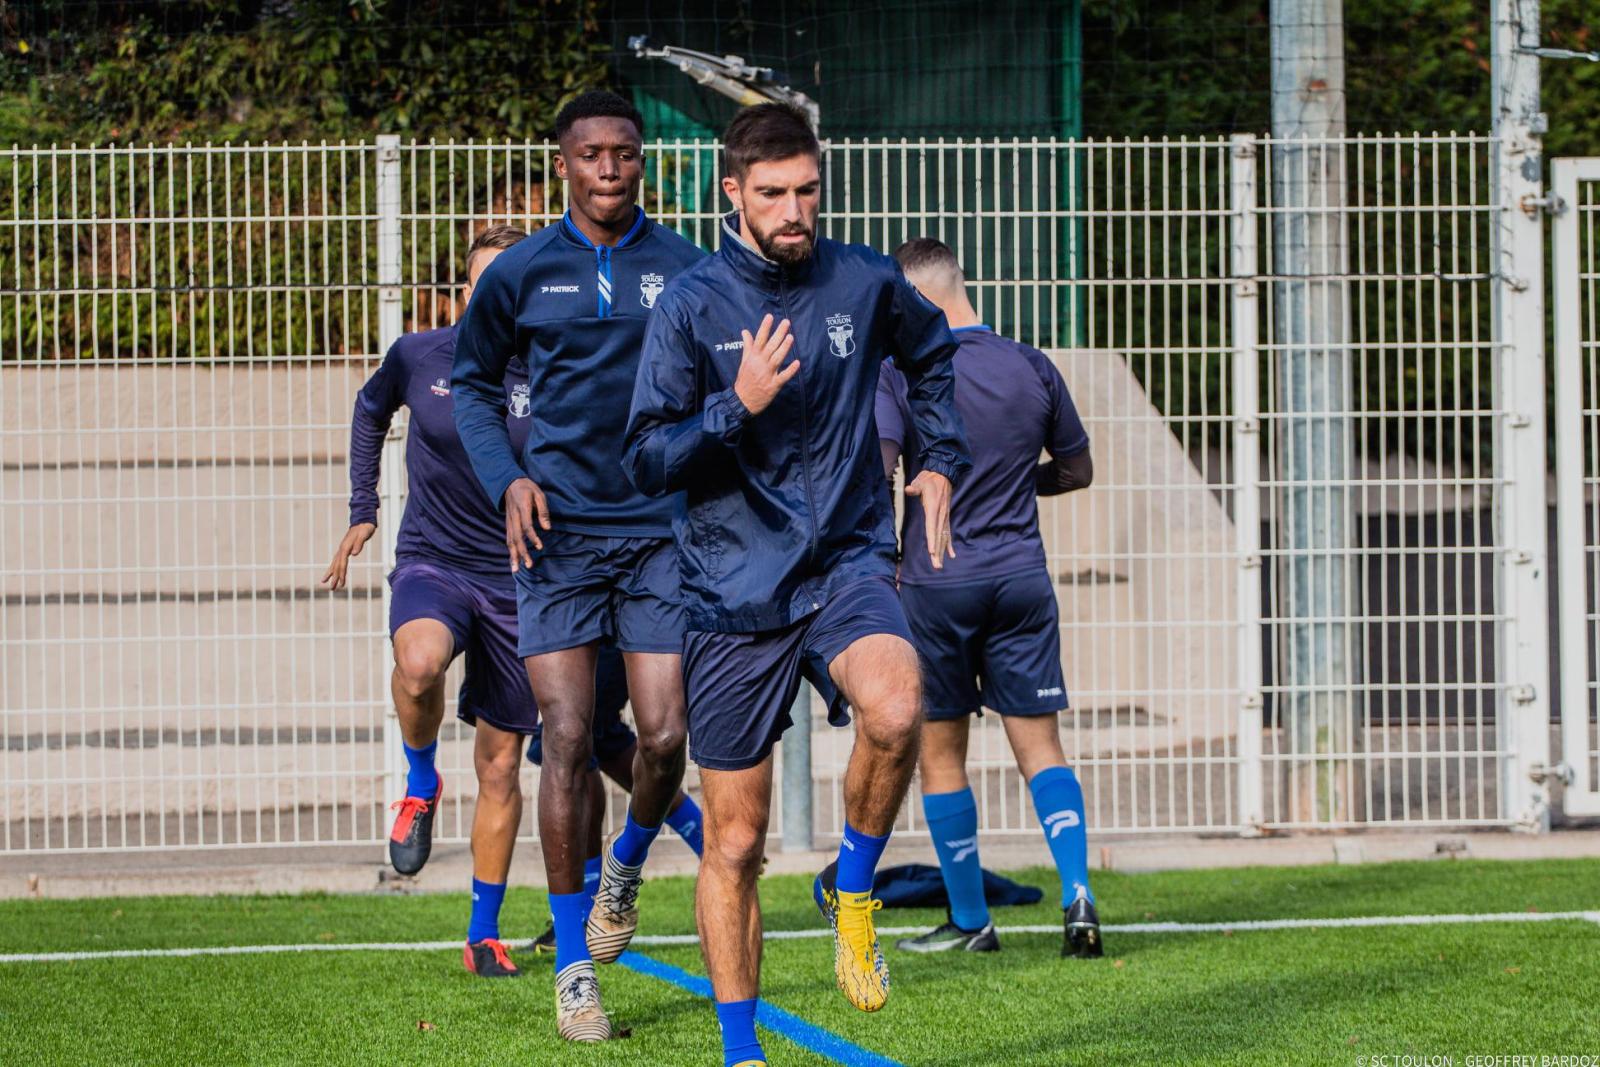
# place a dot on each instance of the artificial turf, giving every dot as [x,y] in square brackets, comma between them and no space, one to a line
[1272,997]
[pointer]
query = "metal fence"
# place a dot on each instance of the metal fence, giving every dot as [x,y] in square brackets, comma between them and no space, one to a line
[182,330]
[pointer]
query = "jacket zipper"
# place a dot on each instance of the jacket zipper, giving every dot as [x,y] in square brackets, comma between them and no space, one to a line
[602,262]
[805,430]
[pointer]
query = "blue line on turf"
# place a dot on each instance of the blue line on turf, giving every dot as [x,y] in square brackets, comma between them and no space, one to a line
[806,1035]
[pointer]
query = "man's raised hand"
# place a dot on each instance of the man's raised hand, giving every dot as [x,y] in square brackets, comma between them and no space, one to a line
[760,376]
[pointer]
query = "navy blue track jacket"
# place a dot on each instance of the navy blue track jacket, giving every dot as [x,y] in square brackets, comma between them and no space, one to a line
[786,507]
[576,314]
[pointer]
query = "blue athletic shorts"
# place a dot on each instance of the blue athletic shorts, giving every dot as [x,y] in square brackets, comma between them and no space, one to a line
[993,643]
[584,588]
[481,615]
[740,686]
[611,735]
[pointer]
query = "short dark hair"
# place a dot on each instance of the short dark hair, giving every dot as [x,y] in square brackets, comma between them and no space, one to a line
[597,104]
[496,236]
[927,253]
[765,133]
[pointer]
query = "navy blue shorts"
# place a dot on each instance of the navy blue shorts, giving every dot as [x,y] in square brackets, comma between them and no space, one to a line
[740,686]
[481,615]
[992,644]
[611,735]
[585,587]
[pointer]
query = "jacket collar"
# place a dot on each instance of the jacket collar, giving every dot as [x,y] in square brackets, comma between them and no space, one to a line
[635,234]
[754,267]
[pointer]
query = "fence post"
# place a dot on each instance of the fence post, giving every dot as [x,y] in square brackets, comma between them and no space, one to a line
[391,485]
[1243,304]
[796,754]
[1521,521]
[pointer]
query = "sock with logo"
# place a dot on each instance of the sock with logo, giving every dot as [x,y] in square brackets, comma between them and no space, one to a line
[1058,802]
[486,900]
[686,820]
[570,911]
[953,822]
[738,1021]
[858,859]
[591,881]
[422,780]
[633,844]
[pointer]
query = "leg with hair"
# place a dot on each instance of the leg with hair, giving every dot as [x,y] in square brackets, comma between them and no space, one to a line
[878,675]
[497,758]
[952,817]
[727,910]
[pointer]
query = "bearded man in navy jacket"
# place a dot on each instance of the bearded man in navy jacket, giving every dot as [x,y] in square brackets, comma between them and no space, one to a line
[755,398]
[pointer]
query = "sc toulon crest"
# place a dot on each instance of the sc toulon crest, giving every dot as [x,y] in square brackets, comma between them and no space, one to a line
[650,286]
[841,335]
[519,404]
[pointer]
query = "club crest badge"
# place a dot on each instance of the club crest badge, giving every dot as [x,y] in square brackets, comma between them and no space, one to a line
[841,335]
[441,387]
[520,403]
[650,287]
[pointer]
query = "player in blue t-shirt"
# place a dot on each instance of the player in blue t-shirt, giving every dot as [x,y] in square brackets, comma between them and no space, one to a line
[986,624]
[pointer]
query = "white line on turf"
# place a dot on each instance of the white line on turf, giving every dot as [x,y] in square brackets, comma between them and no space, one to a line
[649,940]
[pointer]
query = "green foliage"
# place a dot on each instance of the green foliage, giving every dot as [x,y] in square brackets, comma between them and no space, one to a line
[225,70]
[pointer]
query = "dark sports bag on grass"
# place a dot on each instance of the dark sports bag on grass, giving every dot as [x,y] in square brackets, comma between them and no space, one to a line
[917,885]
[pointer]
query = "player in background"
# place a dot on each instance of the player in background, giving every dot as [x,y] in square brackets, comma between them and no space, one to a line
[755,398]
[614,745]
[452,595]
[986,624]
[593,557]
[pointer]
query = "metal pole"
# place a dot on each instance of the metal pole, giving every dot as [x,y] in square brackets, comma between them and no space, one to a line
[1315,444]
[1244,307]
[391,486]
[1522,713]
[797,798]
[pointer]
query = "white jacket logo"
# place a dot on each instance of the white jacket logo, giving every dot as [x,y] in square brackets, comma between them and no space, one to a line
[519,403]
[841,335]
[650,287]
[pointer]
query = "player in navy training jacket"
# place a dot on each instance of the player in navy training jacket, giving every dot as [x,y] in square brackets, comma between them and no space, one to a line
[593,557]
[755,398]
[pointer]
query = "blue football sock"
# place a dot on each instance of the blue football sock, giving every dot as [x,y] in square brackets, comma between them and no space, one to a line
[633,844]
[953,822]
[686,820]
[570,911]
[421,779]
[591,882]
[858,859]
[738,1021]
[1058,802]
[486,900]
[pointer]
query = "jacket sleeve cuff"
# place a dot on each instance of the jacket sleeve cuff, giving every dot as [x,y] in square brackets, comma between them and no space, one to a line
[725,416]
[502,481]
[360,514]
[945,464]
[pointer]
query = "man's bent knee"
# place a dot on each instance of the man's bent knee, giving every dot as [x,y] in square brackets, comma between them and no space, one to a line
[738,848]
[419,671]
[662,745]
[568,745]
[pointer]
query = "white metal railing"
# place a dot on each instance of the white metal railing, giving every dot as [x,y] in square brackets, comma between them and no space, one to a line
[182,330]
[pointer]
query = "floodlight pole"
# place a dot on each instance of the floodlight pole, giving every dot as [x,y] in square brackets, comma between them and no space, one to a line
[739,81]
[729,75]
